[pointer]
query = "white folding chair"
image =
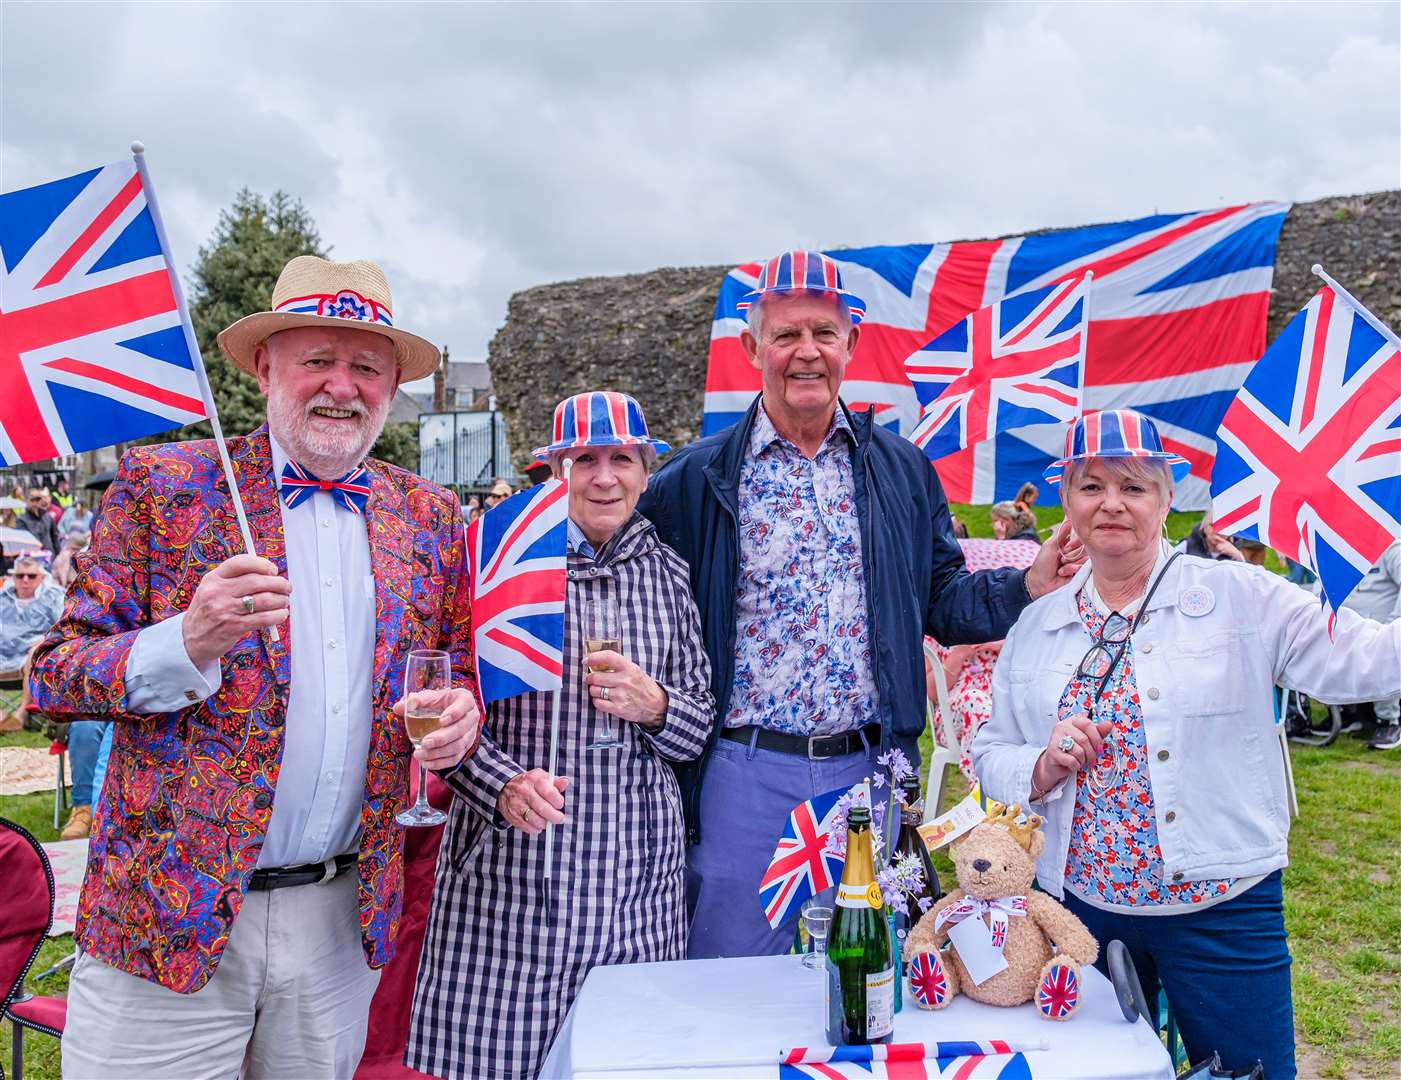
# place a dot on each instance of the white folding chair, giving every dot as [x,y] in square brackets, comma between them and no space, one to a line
[940,757]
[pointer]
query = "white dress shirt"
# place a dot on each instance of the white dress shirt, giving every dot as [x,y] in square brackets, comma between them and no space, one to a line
[321,784]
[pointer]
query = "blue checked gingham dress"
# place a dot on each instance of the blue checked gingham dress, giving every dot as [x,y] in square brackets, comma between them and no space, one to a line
[502,957]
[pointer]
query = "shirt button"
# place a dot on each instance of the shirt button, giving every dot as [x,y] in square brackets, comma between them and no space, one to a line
[1147,646]
[336,709]
[330,776]
[325,524]
[1178,876]
[331,644]
[332,581]
[191,695]
[1153,693]
[1170,817]
[1163,755]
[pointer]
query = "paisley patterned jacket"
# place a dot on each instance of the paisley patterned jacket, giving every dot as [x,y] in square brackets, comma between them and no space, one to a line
[188,794]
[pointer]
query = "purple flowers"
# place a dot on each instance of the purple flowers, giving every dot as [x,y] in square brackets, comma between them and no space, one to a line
[904,875]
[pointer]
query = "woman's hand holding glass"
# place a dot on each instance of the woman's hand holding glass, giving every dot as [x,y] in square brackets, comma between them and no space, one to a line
[624,690]
[1075,743]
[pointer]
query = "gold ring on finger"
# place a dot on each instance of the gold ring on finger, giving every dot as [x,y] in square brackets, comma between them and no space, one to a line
[247,602]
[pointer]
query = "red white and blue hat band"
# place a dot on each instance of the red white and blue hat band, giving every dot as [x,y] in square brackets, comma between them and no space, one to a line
[346,304]
[599,418]
[802,271]
[1115,433]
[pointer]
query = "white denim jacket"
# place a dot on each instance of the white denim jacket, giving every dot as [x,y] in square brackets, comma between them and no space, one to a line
[1215,640]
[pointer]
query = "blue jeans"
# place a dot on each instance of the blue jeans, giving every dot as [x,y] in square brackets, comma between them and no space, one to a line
[84,739]
[1225,970]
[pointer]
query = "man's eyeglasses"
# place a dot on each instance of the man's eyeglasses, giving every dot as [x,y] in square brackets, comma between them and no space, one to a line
[24,577]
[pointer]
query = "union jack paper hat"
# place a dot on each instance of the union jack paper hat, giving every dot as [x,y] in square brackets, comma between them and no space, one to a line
[599,418]
[802,271]
[1115,433]
[312,291]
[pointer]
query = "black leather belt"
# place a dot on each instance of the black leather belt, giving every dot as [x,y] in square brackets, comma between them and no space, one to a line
[815,748]
[316,873]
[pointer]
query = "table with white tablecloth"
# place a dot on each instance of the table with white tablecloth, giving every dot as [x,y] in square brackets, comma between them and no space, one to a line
[731,1018]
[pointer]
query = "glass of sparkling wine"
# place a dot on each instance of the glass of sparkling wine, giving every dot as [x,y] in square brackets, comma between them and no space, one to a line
[603,631]
[427,678]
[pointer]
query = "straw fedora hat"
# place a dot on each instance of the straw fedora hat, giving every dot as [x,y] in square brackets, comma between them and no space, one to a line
[312,291]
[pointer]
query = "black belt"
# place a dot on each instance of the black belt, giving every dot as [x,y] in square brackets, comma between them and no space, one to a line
[815,748]
[316,873]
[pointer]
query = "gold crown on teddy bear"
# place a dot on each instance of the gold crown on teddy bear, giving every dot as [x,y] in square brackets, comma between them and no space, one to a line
[1021,827]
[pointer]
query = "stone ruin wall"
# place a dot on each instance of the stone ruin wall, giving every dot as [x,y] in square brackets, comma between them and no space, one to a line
[648,334]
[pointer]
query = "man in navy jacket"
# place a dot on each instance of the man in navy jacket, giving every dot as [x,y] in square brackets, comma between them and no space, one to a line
[821,552]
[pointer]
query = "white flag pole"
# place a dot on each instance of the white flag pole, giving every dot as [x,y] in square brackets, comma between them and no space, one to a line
[554,717]
[1084,339]
[138,152]
[1370,319]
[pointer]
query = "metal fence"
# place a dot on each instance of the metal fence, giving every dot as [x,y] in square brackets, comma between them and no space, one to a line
[463,449]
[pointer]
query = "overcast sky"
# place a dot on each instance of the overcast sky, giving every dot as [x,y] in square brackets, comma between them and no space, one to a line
[477,150]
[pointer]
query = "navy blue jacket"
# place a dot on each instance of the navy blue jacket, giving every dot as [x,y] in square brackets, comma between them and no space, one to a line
[916,582]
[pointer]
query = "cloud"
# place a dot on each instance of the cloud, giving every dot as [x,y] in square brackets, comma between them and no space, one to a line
[476,150]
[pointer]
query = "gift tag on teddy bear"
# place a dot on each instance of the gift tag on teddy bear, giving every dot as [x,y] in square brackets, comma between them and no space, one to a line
[973,940]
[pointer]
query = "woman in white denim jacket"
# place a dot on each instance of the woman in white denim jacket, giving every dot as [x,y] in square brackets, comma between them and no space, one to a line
[1145,737]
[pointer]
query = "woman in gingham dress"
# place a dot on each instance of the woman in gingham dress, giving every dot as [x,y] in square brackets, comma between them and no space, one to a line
[505,951]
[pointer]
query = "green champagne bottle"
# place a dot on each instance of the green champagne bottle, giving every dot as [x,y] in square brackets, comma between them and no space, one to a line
[860,974]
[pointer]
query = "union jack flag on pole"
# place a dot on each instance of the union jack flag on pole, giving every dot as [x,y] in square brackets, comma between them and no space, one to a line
[801,866]
[517,552]
[96,345]
[1309,452]
[1178,317]
[1010,365]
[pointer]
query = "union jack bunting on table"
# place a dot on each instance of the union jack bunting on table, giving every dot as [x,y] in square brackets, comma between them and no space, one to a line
[517,557]
[801,866]
[1309,458]
[1059,992]
[92,339]
[1178,317]
[956,1060]
[1010,365]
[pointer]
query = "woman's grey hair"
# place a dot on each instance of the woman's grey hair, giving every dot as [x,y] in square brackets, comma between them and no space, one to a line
[1150,471]
[755,319]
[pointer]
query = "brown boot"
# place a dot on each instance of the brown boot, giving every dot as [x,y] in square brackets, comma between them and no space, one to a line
[79,824]
[10,722]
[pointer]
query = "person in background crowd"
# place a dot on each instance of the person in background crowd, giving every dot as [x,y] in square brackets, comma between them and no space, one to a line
[37,521]
[537,472]
[77,518]
[1015,520]
[821,551]
[244,872]
[1206,543]
[1252,551]
[960,530]
[507,947]
[64,571]
[1378,597]
[1155,765]
[29,605]
[500,492]
[62,494]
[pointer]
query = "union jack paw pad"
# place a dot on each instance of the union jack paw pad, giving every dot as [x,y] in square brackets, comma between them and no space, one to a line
[1058,996]
[928,984]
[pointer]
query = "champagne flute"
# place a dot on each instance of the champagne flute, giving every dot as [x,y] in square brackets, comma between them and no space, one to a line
[427,678]
[602,630]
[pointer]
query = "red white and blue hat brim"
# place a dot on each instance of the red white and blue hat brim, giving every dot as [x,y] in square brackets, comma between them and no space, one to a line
[544,453]
[854,303]
[1179,465]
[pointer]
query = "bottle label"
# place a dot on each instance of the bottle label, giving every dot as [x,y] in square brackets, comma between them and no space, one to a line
[852,896]
[880,1003]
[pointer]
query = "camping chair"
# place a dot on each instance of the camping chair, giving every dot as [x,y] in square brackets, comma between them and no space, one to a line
[940,757]
[29,908]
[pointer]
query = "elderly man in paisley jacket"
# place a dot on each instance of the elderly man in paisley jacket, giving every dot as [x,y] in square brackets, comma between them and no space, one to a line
[244,875]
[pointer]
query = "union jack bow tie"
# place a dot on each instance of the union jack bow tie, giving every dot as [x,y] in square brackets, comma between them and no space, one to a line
[351,491]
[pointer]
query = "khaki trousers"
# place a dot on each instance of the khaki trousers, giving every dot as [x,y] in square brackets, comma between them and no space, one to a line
[290,998]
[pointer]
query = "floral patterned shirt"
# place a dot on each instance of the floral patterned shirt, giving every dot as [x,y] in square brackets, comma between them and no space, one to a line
[802,639]
[1114,858]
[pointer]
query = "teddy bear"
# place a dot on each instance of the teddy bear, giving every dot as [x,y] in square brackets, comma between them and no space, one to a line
[1042,943]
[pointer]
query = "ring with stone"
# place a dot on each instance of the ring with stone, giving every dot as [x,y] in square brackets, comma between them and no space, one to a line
[604,693]
[1066,744]
[247,602]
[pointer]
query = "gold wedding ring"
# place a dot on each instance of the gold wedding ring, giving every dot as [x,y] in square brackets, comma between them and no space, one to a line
[247,602]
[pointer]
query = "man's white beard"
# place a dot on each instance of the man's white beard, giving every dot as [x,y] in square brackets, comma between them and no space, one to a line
[328,456]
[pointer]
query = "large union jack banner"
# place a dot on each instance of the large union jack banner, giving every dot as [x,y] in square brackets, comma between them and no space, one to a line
[1177,317]
[92,339]
[517,551]
[1010,365]
[801,866]
[1309,458]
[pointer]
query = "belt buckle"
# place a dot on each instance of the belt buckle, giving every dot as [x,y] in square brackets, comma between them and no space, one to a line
[812,742]
[328,871]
